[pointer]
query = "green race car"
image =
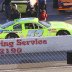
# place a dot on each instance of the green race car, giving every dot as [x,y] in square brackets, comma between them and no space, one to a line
[32,27]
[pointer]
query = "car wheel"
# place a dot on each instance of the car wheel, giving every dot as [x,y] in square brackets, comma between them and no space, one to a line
[12,36]
[63,33]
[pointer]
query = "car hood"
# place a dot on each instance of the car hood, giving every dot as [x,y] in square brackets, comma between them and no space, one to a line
[60,24]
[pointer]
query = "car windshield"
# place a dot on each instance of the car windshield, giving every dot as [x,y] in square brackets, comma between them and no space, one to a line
[45,23]
[7,24]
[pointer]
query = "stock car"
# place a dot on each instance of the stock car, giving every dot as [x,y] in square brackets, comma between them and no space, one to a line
[32,27]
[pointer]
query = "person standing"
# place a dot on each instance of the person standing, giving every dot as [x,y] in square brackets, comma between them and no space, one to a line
[43,15]
[42,4]
[28,7]
[15,14]
[1,5]
[28,10]
[33,12]
[7,8]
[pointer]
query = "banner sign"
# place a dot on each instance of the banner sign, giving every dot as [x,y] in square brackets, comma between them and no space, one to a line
[31,45]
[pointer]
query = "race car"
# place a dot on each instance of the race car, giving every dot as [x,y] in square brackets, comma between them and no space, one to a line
[32,27]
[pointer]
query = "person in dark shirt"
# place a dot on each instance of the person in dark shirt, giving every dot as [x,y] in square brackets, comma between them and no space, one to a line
[36,9]
[1,5]
[7,1]
[15,14]
[33,12]
[7,8]
[28,7]
[42,4]
[28,10]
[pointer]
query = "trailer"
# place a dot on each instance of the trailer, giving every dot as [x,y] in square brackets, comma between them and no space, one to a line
[63,5]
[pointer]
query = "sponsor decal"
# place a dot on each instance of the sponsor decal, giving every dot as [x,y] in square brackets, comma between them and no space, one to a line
[20,42]
[17,46]
[10,51]
[52,30]
[35,33]
[31,42]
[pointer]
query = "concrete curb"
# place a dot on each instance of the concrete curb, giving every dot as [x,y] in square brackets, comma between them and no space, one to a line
[33,65]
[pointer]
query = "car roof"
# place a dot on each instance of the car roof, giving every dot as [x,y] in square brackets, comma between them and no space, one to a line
[26,19]
[32,19]
[7,24]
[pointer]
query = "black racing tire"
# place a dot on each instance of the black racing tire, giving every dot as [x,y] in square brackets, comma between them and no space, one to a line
[12,35]
[62,32]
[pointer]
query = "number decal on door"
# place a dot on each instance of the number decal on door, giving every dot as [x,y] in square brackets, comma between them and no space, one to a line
[35,33]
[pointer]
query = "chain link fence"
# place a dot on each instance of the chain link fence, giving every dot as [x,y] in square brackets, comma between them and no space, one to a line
[51,50]
[33,57]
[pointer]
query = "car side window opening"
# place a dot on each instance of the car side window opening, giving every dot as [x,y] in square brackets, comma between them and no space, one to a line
[37,26]
[29,26]
[17,27]
[32,26]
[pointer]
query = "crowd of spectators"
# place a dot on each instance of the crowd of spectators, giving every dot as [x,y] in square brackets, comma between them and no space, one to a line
[38,10]
[11,11]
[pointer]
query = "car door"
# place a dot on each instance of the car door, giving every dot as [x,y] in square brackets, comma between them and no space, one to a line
[17,28]
[34,30]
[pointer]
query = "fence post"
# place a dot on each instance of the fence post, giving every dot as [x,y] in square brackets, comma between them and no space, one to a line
[69,57]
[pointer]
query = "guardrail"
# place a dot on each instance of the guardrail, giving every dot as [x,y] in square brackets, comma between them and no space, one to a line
[19,2]
[32,45]
[35,50]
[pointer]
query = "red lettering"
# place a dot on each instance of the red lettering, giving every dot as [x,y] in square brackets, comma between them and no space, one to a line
[10,51]
[40,42]
[1,51]
[28,42]
[36,41]
[4,43]
[44,41]
[32,42]
[7,51]
[10,44]
[19,50]
[24,43]
[18,42]
[13,50]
